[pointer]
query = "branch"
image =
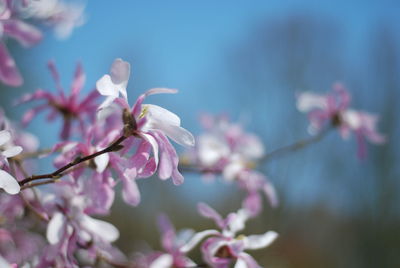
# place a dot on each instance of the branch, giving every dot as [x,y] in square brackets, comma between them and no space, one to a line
[296,146]
[115,146]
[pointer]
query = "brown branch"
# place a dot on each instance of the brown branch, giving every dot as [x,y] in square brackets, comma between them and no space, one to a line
[296,146]
[115,146]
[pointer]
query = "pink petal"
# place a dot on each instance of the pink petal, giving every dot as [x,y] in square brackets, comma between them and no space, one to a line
[26,34]
[9,73]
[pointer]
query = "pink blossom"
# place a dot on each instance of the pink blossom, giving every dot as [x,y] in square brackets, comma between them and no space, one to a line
[333,109]
[225,148]
[151,123]
[63,17]
[70,108]
[223,248]
[72,227]
[172,256]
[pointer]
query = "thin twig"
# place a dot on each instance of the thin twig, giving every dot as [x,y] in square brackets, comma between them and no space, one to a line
[295,146]
[60,172]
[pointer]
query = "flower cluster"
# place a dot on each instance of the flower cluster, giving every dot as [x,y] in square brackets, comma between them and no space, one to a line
[16,18]
[225,148]
[220,248]
[104,144]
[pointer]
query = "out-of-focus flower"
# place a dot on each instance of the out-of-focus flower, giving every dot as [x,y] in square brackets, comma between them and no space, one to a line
[13,27]
[333,109]
[71,226]
[223,248]
[7,182]
[225,148]
[70,108]
[62,16]
[151,123]
[172,256]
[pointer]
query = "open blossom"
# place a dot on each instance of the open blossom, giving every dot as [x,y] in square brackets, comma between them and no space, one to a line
[172,242]
[151,123]
[225,148]
[61,16]
[71,227]
[224,248]
[70,108]
[333,109]
[7,182]
[13,27]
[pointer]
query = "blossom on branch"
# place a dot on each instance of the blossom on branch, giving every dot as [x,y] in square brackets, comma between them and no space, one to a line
[333,109]
[150,123]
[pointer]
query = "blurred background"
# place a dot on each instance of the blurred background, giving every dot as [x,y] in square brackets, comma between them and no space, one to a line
[248,59]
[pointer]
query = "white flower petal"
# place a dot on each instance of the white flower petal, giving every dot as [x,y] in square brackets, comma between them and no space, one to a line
[240,264]
[12,151]
[238,222]
[211,149]
[106,87]
[106,104]
[163,261]
[178,134]
[260,241]
[120,72]
[55,228]
[196,239]
[4,263]
[159,114]
[101,162]
[8,183]
[154,145]
[102,229]
[5,136]
[307,101]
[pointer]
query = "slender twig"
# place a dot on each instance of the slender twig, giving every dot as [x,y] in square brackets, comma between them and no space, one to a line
[60,172]
[34,184]
[26,155]
[295,146]
[188,167]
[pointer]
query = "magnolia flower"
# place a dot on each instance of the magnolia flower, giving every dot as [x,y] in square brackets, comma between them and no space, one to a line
[25,34]
[333,109]
[223,248]
[72,227]
[115,83]
[225,148]
[62,16]
[149,122]
[7,182]
[70,108]
[172,256]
